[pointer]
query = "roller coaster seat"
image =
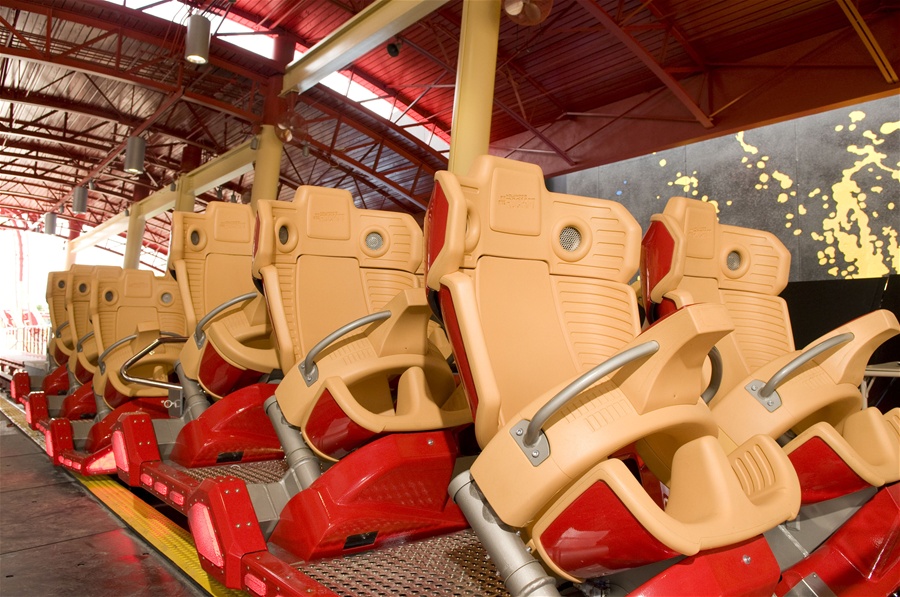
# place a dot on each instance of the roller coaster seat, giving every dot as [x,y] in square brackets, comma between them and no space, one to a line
[816,409]
[533,289]
[61,344]
[210,255]
[324,264]
[130,312]
[80,286]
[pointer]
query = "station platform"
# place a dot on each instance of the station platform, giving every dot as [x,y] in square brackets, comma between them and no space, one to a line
[61,533]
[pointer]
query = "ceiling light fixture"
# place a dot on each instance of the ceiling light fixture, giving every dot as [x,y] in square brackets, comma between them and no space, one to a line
[79,200]
[50,223]
[196,42]
[134,155]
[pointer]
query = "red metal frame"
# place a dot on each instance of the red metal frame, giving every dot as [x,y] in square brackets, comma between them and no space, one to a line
[98,444]
[80,404]
[746,569]
[862,557]
[20,386]
[36,410]
[221,377]
[265,574]
[392,490]
[57,381]
[232,524]
[233,429]
[134,442]
[823,474]
[331,431]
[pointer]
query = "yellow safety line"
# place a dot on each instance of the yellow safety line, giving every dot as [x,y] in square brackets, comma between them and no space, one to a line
[165,536]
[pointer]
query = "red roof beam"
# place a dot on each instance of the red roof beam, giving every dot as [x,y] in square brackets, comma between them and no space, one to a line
[649,61]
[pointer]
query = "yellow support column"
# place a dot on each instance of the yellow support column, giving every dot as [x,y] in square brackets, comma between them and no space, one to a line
[70,256]
[134,239]
[267,169]
[473,102]
[185,194]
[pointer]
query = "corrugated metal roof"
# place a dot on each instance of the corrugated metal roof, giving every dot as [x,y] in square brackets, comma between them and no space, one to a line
[68,98]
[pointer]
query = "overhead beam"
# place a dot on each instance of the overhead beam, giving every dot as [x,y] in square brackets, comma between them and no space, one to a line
[649,61]
[509,111]
[217,171]
[371,27]
[160,110]
[868,40]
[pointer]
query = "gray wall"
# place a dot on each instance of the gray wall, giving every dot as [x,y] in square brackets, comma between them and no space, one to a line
[827,185]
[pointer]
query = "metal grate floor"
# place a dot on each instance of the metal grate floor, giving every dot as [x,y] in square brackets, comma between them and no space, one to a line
[452,565]
[266,471]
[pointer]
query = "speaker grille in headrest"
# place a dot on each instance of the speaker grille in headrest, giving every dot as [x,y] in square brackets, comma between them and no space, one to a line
[374,241]
[569,238]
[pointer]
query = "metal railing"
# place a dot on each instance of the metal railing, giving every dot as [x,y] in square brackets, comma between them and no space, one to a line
[28,338]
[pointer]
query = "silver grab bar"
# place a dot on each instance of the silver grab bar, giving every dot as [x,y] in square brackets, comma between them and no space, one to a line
[715,379]
[169,339]
[308,366]
[199,335]
[119,343]
[782,374]
[59,330]
[80,345]
[532,433]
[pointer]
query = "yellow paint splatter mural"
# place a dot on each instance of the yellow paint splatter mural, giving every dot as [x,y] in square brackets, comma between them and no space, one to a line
[861,244]
[827,185]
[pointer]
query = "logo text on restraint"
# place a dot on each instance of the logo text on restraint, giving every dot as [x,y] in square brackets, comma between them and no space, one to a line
[328,216]
[517,201]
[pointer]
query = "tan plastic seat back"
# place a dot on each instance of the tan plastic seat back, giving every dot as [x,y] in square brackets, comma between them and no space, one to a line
[550,275]
[136,297]
[703,261]
[210,256]
[136,302]
[80,287]
[56,302]
[325,263]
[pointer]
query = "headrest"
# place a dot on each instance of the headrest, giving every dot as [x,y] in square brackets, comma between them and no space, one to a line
[503,209]
[83,277]
[322,221]
[224,228]
[135,288]
[56,285]
[737,258]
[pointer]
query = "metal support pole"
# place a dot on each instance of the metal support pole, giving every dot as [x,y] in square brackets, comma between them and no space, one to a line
[193,396]
[102,408]
[474,99]
[302,461]
[521,573]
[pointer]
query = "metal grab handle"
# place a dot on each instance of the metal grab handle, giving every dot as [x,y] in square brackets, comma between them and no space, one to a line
[782,374]
[308,366]
[100,364]
[199,336]
[532,433]
[715,378]
[119,343]
[59,330]
[80,345]
[168,339]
